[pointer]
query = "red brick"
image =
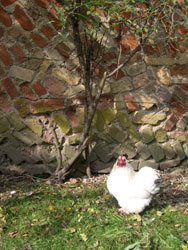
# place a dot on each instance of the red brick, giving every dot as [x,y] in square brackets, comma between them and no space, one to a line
[54,86]
[23,19]
[39,40]
[5,56]
[7,2]
[1,32]
[131,102]
[27,91]
[47,105]
[131,40]
[52,16]
[178,108]
[120,30]
[148,50]
[119,74]
[126,14]
[99,70]
[160,49]
[171,122]
[47,31]
[179,70]
[5,104]
[142,6]
[180,94]
[5,18]
[10,88]
[18,52]
[172,48]
[39,89]
[177,17]
[73,118]
[63,49]
[106,99]
[43,3]
[185,87]
[181,30]
[182,4]
[124,46]
[108,57]
[58,3]
[183,45]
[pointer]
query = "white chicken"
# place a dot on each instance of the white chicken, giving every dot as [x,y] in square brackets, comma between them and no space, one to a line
[133,190]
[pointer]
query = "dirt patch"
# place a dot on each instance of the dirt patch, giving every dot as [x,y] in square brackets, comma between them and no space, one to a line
[174,188]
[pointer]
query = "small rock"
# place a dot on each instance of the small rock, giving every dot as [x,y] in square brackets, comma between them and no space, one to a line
[73,181]
[177,171]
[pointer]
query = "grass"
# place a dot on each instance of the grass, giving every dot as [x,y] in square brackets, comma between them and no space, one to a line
[83,216]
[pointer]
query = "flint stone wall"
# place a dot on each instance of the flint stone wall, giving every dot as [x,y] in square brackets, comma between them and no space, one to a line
[142,112]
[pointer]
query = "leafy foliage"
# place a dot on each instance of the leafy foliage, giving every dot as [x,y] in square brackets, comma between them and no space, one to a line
[142,17]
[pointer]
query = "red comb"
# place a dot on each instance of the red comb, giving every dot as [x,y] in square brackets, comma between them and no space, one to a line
[121,162]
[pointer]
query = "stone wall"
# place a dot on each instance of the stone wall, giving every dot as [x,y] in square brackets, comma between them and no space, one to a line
[142,112]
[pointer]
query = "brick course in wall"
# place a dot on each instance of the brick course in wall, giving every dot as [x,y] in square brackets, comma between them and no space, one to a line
[142,111]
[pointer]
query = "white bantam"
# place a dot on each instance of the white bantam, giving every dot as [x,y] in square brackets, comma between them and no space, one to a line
[133,190]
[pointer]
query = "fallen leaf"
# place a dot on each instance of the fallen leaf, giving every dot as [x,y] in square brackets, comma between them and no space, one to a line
[96,244]
[13,234]
[91,210]
[67,209]
[83,236]
[25,235]
[51,208]
[184,247]
[159,213]
[185,212]
[136,217]
[71,230]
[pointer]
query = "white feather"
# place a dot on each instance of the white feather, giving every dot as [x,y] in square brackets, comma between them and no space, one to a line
[133,190]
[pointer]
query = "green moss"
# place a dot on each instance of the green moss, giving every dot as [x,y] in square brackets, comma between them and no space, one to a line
[78,129]
[15,121]
[99,121]
[134,135]
[34,125]
[62,122]
[4,125]
[160,135]
[81,115]
[123,120]
[117,134]
[108,114]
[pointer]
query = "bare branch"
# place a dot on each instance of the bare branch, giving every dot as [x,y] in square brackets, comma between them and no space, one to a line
[59,155]
[132,53]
